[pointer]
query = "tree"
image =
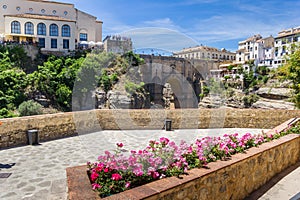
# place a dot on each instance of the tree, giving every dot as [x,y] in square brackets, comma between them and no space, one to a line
[12,86]
[292,71]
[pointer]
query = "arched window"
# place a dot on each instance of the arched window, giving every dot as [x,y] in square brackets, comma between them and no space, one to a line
[65,31]
[41,29]
[29,30]
[53,30]
[16,27]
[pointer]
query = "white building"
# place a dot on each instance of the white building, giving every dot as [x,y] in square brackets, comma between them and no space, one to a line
[204,52]
[53,25]
[283,45]
[255,48]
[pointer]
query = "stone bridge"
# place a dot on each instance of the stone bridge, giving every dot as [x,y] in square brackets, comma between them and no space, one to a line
[184,76]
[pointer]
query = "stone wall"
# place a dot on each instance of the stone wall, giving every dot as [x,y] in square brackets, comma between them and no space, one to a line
[232,179]
[13,131]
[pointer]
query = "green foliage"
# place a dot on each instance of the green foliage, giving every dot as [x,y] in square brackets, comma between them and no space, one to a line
[216,87]
[12,86]
[249,79]
[63,96]
[132,87]
[134,59]
[5,113]
[29,108]
[250,99]
[227,77]
[16,55]
[55,79]
[291,71]
[230,67]
[262,70]
[205,90]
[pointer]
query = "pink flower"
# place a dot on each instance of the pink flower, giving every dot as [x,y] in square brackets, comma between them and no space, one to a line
[138,171]
[155,175]
[99,167]
[164,140]
[94,176]
[96,186]
[127,185]
[116,177]
[270,136]
[120,145]
[106,170]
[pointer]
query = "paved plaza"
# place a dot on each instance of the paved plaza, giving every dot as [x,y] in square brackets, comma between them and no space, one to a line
[39,172]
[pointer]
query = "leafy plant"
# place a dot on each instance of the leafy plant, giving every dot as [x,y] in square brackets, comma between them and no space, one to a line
[132,87]
[250,99]
[29,108]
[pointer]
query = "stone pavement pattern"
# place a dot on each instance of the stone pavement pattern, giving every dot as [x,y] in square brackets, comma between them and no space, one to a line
[38,172]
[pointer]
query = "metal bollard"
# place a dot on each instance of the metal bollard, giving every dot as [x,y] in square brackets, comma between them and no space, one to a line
[33,137]
[168,125]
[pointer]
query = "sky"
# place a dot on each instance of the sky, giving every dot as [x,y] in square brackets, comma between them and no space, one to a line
[171,25]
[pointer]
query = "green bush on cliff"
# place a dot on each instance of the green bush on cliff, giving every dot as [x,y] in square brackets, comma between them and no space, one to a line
[29,108]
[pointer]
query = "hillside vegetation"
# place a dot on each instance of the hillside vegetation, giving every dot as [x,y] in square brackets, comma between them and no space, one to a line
[53,80]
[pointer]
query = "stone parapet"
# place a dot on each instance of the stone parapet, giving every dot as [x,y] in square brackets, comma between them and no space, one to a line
[13,131]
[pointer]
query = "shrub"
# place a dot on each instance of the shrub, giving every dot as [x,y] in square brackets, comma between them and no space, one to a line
[132,87]
[5,113]
[29,108]
[250,99]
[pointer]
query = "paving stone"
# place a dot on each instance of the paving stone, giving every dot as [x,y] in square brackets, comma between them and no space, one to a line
[58,186]
[36,180]
[22,184]
[10,194]
[28,188]
[45,184]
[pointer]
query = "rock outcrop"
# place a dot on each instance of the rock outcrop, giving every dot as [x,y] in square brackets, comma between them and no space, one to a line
[274,93]
[117,100]
[264,103]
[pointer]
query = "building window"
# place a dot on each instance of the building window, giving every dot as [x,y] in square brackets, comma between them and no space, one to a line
[66,44]
[4,6]
[41,29]
[42,42]
[54,12]
[16,27]
[66,13]
[43,11]
[18,8]
[53,30]
[83,36]
[31,10]
[65,31]
[53,43]
[29,30]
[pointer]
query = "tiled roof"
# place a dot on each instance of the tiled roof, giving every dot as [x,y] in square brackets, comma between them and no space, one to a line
[42,17]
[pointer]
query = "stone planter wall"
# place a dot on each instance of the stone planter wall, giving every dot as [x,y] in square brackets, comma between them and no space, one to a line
[13,131]
[233,179]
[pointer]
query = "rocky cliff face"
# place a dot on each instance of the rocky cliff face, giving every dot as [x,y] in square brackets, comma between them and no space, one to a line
[273,95]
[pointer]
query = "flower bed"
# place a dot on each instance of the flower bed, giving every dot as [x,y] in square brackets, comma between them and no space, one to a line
[115,172]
